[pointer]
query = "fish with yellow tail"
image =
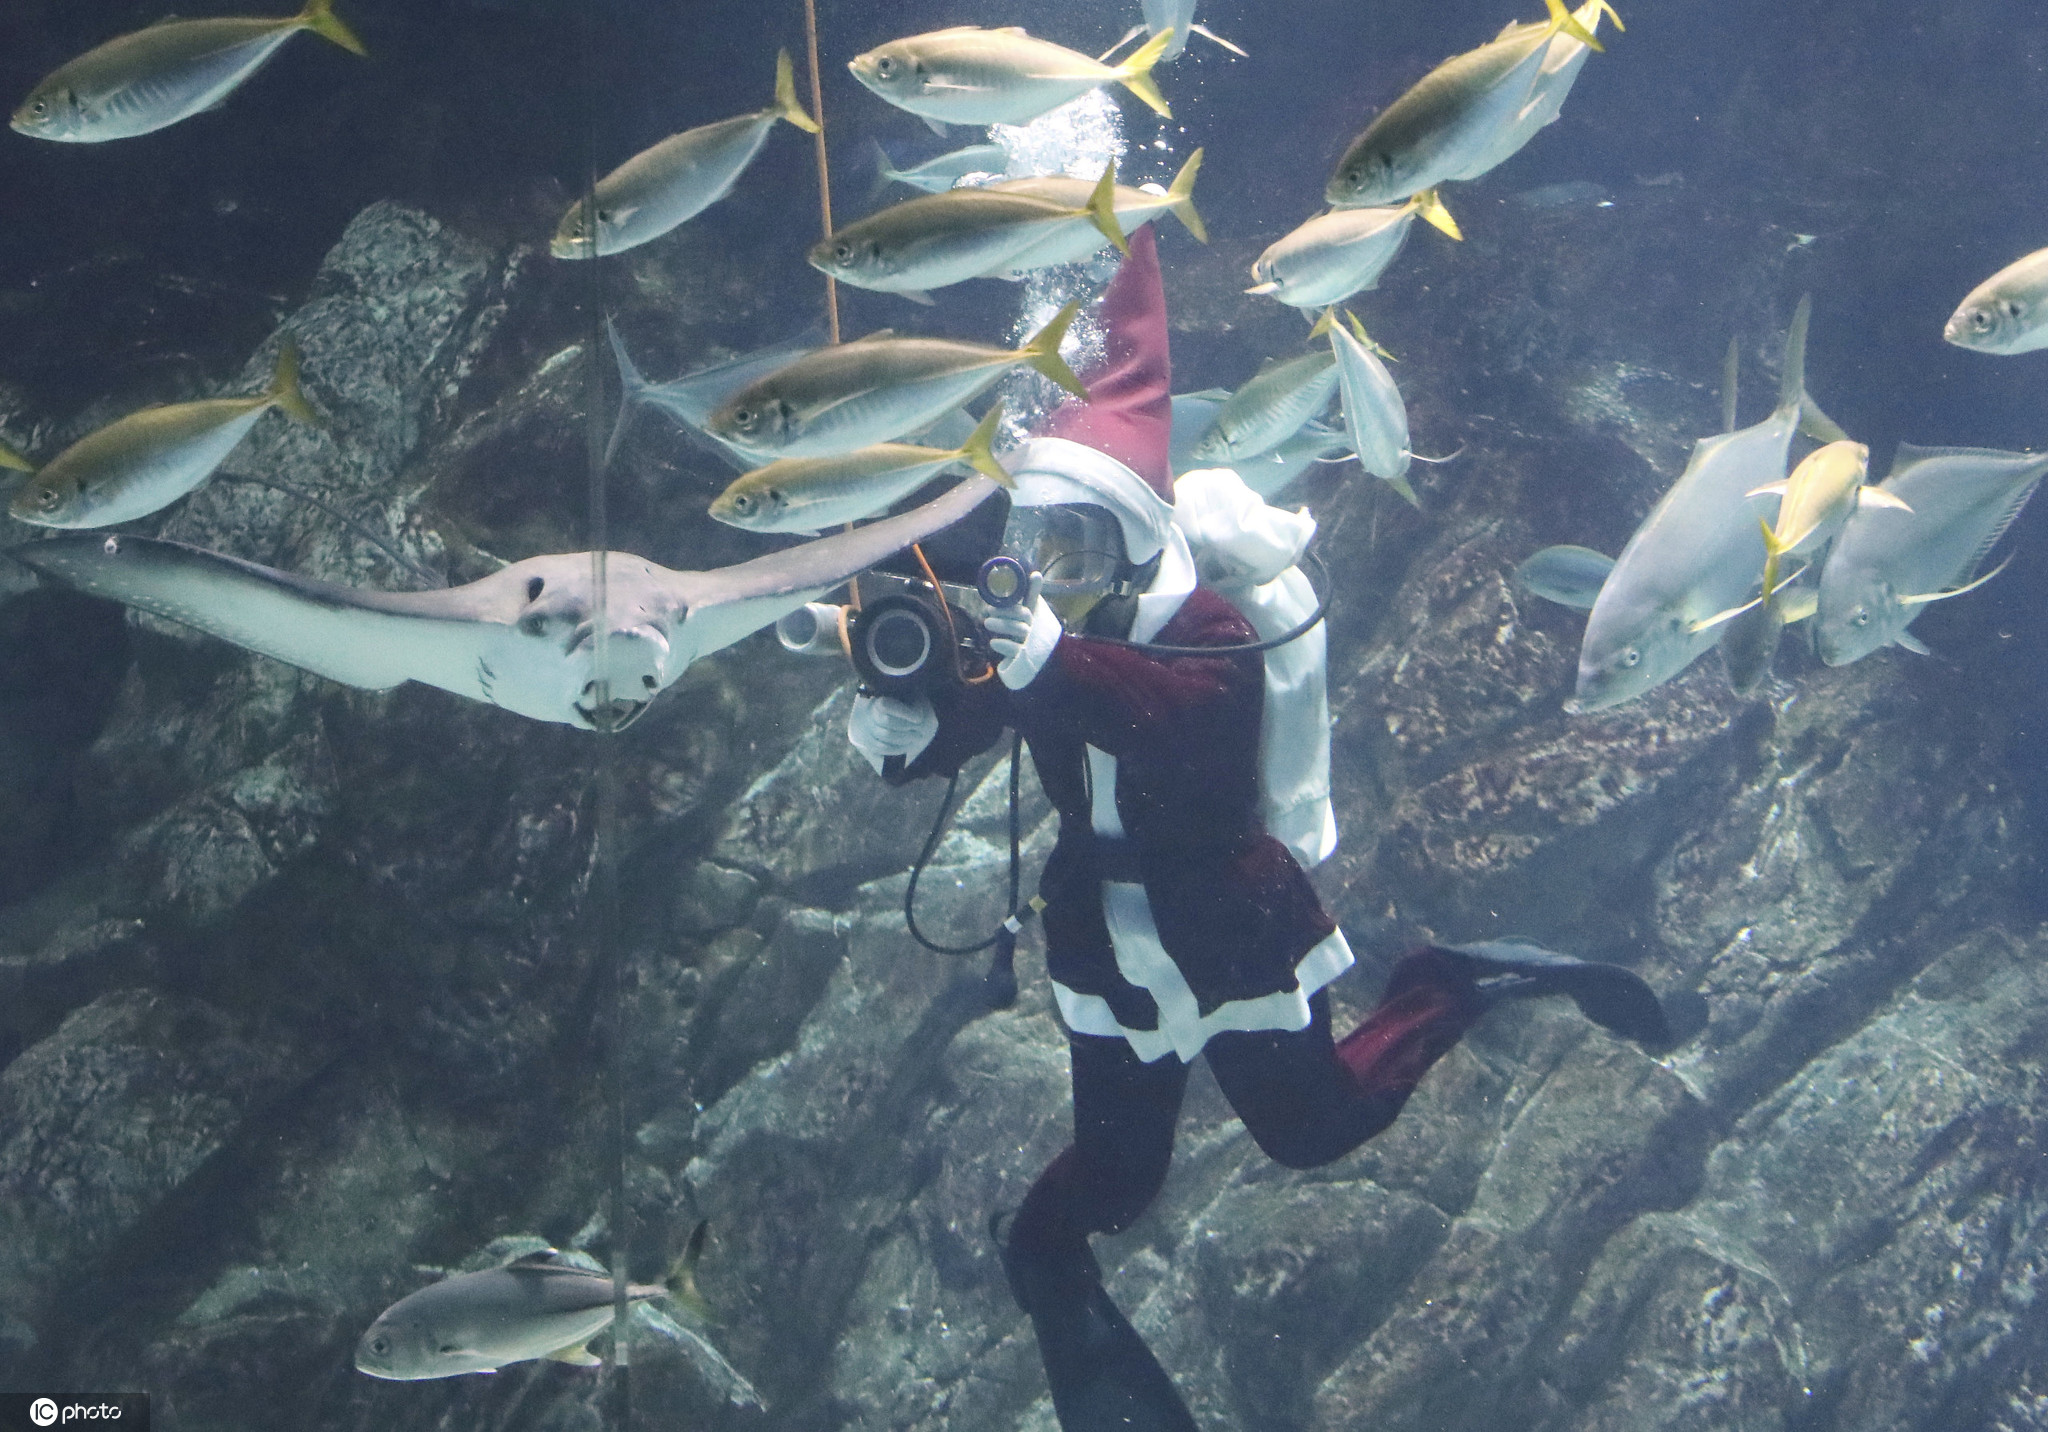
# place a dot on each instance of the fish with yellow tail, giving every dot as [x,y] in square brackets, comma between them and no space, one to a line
[811,494]
[968,75]
[939,239]
[1815,501]
[1343,252]
[145,81]
[1076,239]
[144,462]
[876,389]
[674,181]
[10,458]
[1470,112]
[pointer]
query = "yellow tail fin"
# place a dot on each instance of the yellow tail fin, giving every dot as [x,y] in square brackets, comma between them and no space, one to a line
[1602,7]
[1136,72]
[1433,212]
[1358,332]
[319,17]
[1773,550]
[1326,323]
[1563,19]
[1182,193]
[1102,209]
[976,451]
[284,391]
[1042,351]
[786,103]
[10,458]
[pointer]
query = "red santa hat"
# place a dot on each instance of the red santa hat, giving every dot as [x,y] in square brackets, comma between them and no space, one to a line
[1129,412]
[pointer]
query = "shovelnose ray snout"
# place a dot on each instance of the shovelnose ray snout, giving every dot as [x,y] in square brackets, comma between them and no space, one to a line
[526,638]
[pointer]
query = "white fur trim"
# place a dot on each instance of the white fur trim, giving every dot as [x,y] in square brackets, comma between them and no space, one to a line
[1051,471]
[1183,1029]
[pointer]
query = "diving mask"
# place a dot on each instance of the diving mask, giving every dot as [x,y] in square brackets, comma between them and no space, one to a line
[1073,550]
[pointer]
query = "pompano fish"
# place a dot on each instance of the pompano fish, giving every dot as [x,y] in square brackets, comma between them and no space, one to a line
[536,1306]
[810,494]
[2008,312]
[1885,567]
[1268,472]
[142,82]
[691,399]
[1271,408]
[677,179]
[1177,17]
[1815,501]
[144,462]
[1374,413]
[1695,557]
[1343,252]
[1562,61]
[936,176]
[968,75]
[1074,240]
[939,239]
[1456,120]
[876,389]
[1569,576]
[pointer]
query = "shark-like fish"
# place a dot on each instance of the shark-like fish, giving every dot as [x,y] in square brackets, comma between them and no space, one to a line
[525,638]
[1885,567]
[1696,556]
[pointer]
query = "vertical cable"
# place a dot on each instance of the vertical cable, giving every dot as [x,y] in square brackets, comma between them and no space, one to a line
[824,170]
[601,913]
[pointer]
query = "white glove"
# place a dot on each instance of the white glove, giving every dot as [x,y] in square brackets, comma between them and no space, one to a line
[882,726]
[1022,641]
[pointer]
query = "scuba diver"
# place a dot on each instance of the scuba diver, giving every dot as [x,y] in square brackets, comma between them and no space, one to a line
[1177,921]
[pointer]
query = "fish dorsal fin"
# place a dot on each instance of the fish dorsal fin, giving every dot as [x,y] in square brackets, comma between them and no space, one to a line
[879,333]
[576,1355]
[546,1258]
[957,30]
[170,19]
[1792,377]
[1818,425]
[1010,30]
[1730,366]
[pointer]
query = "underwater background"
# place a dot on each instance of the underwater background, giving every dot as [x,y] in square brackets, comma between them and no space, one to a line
[306,990]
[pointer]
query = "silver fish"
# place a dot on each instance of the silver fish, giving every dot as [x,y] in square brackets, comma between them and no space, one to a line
[1696,556]
[968,75]
[675,180]
[1885,567]
[1178,18]
[142,82]
[1343,252]
[1562,61]
[875,390]
[2008,312]
[1374,413]
[936,176]
[939,239]
[1457,121]
[1569,576]
[811,494]
[691,399]
[1078,237]
[144,462]
[538,1306]
[1280,398]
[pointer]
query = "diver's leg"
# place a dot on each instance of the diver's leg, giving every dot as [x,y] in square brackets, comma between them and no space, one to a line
[1102,1376]
[1307,1098]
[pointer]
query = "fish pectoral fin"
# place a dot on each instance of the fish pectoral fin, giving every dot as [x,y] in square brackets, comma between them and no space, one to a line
[954,87]
[576,1355]
[917,295]
[1769,489]
[1909,642]
[1215,39]
[1878,497]
[936,126]
[1922,598]
[1267,287]
[1718,618]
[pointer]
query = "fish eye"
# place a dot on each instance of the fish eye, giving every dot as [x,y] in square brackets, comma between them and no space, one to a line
[1861,617]
[742,503]
[1980,320]
[39,107]
[885,68]
[380,1345]
[844,253]
[48,497]
[1631,657]
[744,418]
